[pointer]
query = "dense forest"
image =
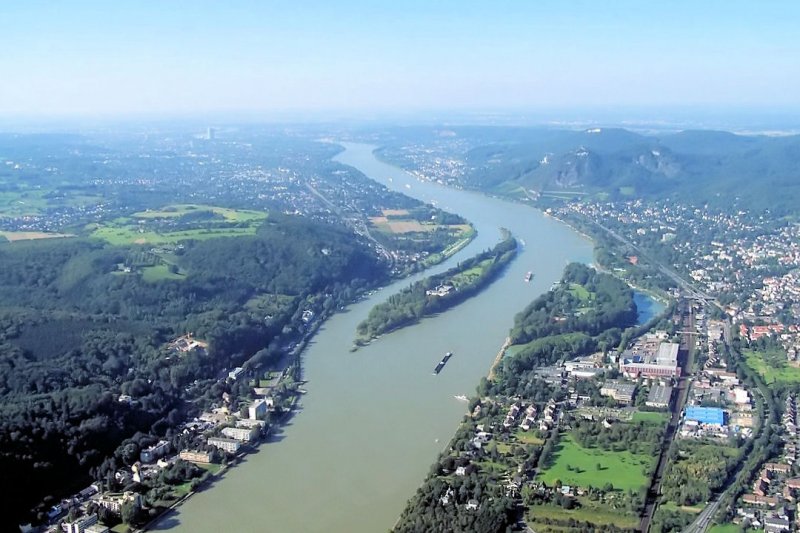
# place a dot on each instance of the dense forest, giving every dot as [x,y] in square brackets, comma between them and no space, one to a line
[586,312]
[439,292]
[565,310]
[76,332]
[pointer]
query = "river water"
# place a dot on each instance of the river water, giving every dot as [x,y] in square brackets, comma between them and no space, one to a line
[373,421]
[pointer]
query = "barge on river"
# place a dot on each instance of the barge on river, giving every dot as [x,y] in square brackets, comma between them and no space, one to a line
[443,362]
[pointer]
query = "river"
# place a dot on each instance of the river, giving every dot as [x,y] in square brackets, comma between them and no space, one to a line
[373,421]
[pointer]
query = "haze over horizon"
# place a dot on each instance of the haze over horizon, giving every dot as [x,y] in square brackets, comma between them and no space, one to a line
[279,59]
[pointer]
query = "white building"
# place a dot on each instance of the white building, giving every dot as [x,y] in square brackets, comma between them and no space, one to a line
[257,409]
[228,445]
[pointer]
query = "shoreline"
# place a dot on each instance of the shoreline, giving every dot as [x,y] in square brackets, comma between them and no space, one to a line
[665,300]
[499,357]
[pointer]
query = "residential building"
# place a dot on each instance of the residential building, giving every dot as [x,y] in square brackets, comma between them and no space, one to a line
[620,391]
[240,434]
[257,410]
[228,445]
[151,454]
[194,456]
[81,524]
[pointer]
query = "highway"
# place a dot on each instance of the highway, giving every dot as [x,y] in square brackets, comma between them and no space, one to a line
[705,518]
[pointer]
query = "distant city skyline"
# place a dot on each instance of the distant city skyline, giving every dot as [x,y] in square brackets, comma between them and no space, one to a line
[277,59]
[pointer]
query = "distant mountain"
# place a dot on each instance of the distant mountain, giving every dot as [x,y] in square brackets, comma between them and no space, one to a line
[756,172]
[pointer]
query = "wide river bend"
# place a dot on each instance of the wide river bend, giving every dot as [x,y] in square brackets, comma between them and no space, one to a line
[373,421]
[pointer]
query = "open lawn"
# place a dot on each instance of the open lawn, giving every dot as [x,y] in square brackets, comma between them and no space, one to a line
[588,511]
[650,417]
[579,291]
[155,273]
[527,437]
[465,278]
[624,470]
[726,528]
[772,366]
[213,468]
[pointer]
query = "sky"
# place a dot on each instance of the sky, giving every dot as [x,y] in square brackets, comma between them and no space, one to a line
[193,57]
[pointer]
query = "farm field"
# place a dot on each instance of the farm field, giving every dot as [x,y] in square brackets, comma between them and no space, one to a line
[13,236]
[172,224]
[178,210]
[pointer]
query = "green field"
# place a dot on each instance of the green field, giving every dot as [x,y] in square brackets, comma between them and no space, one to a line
[772,366]
[155,273]
[527,437]
[35,201]
[650,417]
[580,292]
[141,228]
[624,469]
[589,511]
[726,528]
[177,210]
[469,276]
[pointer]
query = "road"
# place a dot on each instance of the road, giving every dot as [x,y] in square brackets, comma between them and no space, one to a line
[682,283]
[682,389]
[705,517]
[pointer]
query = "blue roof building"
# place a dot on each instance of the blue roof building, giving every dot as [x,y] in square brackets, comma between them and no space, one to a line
[706,415]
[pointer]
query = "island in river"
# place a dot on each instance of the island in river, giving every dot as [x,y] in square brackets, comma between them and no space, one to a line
[438,292]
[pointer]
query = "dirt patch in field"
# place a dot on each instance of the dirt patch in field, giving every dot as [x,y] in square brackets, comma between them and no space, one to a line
[32,235]
[408,226]
[394,212]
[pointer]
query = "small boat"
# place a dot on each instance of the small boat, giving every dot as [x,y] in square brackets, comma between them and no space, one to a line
[528,276]
[461,397]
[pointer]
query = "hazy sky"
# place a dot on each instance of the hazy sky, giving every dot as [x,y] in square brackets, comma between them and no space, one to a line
[179,57]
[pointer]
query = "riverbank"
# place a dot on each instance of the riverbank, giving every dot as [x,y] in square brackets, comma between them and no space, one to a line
[499,357]
[437,293]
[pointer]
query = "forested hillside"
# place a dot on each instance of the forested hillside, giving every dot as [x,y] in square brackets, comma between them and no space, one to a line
[754,171]
[76,331]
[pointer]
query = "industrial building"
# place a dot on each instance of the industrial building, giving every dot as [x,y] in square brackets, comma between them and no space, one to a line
[663,362]
[659,397]
[710,416]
